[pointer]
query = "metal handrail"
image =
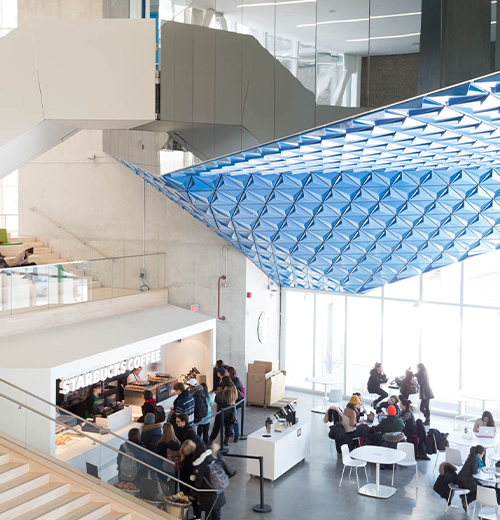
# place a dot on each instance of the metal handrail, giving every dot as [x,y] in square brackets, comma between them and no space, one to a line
[67,412]
[74,262]
[22,405]
[64,228]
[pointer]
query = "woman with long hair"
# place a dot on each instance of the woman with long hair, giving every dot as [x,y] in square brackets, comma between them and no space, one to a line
[425,392]
[204,424]
[485,420]
[168,448]
[225,400]
[465,477]
[239,386]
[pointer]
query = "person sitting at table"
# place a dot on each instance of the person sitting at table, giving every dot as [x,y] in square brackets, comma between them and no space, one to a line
[383,406]
[465,478]
[349,419]
[409,385]
[330,416]
[391,428]
[377,377]
[485,420]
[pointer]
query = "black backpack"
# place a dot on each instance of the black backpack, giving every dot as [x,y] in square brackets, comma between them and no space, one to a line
[200,406]
[436,441]
[159,413]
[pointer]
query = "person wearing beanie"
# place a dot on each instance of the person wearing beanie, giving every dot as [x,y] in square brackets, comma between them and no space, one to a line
[393,400]
[350,418]
[391,428]
[151,433]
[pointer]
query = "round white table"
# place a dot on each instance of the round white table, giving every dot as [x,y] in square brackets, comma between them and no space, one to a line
[471,439]
[377,455]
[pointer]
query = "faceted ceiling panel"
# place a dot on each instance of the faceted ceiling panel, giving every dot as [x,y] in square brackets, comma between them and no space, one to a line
[363,202]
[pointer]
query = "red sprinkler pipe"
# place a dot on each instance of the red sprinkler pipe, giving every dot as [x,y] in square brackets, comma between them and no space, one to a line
[222,318]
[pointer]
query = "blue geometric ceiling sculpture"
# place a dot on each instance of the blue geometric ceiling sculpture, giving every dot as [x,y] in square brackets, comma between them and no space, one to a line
[363,202]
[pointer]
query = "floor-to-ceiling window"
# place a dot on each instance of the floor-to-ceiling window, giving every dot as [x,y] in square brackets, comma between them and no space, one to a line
[447,319]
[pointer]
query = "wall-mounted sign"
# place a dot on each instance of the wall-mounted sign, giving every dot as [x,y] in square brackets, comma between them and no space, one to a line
[71,384]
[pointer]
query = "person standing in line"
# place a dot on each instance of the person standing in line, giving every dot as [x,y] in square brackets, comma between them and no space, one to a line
[425,392]
[241,392]
[216,380]
[204,424]
[377,377]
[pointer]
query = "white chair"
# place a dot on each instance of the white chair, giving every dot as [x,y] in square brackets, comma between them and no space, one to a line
[347,461]
[453,456]
[486,496]
[334,397]
[437,450]
[409,460]
[454,489]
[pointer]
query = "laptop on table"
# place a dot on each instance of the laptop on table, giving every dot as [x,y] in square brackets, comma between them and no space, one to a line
[486,431]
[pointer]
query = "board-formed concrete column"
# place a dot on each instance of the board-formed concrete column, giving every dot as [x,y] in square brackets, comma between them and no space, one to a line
[454,42]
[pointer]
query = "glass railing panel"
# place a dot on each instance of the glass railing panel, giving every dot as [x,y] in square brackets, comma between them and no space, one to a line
[30,288]
[98,278]
[65,284]
[89,447]
[5,292]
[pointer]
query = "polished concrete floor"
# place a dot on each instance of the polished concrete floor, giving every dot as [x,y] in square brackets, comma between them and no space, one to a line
[311,489]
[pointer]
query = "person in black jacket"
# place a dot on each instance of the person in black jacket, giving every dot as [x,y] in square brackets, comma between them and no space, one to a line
[235,428]
[447,475]
[216,379]
[471,467]
[151,433]
[425,392]
[210,502]
[148,406]
[377,377]
[184,431]
[224,400]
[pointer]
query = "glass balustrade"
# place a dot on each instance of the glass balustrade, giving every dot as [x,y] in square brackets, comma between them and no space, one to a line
[37,287]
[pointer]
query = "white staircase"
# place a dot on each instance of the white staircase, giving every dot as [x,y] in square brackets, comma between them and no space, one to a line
[41,255]
[30,495]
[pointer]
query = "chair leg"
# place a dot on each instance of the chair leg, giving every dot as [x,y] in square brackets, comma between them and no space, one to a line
[393,467]
[416,473]
[357,478]
[435,463]
[473,511]
[350,470]
[342,476]
[366,475]
[450,498]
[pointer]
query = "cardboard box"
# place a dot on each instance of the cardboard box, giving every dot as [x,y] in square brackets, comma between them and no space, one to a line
[255,392]
[275,387]
[201,378]
[271,366]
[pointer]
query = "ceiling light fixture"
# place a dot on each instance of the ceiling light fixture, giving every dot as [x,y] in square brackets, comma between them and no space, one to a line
[287,2]
[353,20]
[384,37]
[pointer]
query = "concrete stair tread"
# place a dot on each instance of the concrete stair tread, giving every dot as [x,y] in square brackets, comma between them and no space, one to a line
[22,238]
[27,478]
[4,457]
[117,516]
[50,510]
[33,499]
[90,511]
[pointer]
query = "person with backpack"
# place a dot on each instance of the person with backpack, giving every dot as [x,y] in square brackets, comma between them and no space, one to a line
[377,377]
[130,470]
[224,400]
[425,392]
[235,428]
[409,385]
[208,474]
[204,425]
[200,402]
[150,406]
[168,448]
[184,402]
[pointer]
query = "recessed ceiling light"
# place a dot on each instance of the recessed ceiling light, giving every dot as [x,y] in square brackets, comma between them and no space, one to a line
[287,2]
[384,37]
[354,20]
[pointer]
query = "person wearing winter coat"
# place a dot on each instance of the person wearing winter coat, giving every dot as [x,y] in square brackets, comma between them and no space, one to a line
[408,386]
[465,477]
[391,428]
[447,475]
[235,428]
[350,419]
[425,392]
[208,501]
[148,406]
[224,400]
[151,433]
[384,405]
[377,377]
[184,402]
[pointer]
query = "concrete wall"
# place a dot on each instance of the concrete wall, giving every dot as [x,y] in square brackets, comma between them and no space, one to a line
[266,301]
[108,205]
